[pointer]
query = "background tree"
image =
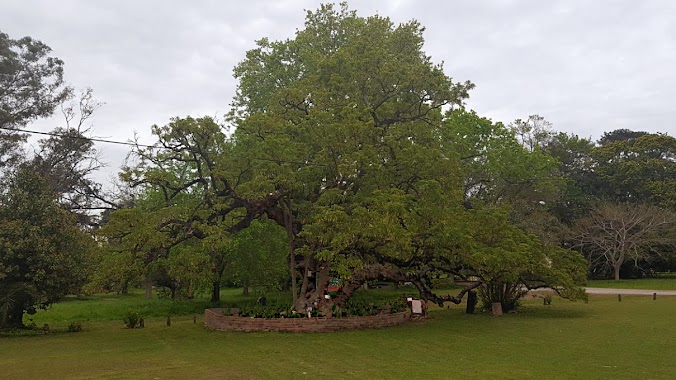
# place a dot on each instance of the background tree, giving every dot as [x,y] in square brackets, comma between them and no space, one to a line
[534,133]
[616,233]
[620,135]
[576,169]
[31,87]
[640,169]
[43,253]
[68,159]
[146,235]
[257,257]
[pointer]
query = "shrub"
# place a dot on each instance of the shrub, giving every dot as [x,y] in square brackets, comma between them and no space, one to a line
[75,327]
[365,305]
[361,305]
[132,319]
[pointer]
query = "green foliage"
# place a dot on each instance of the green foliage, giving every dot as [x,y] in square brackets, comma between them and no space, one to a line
[43,253]
[257,257]
[510,262]
[32,86]
[575,165]
[114,272]
[189,267]
[360,305]
[341,138]
[132,319]
[273,309]
[640,169]
[498,167]
[363,306]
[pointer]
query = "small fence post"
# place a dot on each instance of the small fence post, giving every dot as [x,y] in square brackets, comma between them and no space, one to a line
[619,298]
[168,320]
[654,296]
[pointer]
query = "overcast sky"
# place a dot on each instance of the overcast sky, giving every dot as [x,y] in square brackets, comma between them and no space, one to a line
[586,66]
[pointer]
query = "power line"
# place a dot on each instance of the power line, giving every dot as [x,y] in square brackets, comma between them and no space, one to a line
[77,137]
[142,145]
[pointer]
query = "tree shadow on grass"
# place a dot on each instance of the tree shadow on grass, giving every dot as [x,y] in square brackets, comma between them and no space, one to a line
[524,312]
[551,312]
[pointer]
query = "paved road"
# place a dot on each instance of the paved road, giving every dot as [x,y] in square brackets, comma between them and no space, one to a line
[641,292]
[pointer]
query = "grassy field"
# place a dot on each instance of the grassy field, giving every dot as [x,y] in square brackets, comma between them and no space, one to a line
[598,340]
[661,282]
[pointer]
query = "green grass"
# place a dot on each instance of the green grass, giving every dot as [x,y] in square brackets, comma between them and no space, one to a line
[661,282]
[108,307]
[599,340]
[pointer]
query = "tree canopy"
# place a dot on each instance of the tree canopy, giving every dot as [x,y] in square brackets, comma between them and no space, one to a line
[353,140]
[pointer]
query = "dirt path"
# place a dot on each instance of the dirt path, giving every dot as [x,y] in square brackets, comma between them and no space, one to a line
[640,292]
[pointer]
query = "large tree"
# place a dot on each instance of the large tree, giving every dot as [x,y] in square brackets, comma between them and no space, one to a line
[340,138]
[346,117]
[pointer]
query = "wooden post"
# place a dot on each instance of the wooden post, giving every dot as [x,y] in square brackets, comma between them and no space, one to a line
[194,319]
[619,298]
[654,296]
[496,309]
[168,320]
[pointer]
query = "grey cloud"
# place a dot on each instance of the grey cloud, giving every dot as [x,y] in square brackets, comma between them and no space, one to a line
[586,66]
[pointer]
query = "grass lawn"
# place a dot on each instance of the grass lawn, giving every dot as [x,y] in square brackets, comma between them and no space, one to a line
[599,340]
[107,307]
[661,282]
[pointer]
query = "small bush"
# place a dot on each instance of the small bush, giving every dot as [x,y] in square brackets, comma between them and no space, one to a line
[365,305]
[362,304]
[132,319]
[75,327]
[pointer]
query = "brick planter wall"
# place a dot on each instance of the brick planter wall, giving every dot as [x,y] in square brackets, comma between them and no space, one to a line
[214,318]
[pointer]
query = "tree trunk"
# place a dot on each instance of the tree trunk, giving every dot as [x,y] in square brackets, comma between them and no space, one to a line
[148,285]
[245,291]
[616,272]
[191,292]
[471,302]
[292,253]
[125,288]
[326,308]
[302,301]
[216,292]
[294,284]
[368,272]
[13,318]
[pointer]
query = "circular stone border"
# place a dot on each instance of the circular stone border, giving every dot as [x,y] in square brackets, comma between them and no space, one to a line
[215,319]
